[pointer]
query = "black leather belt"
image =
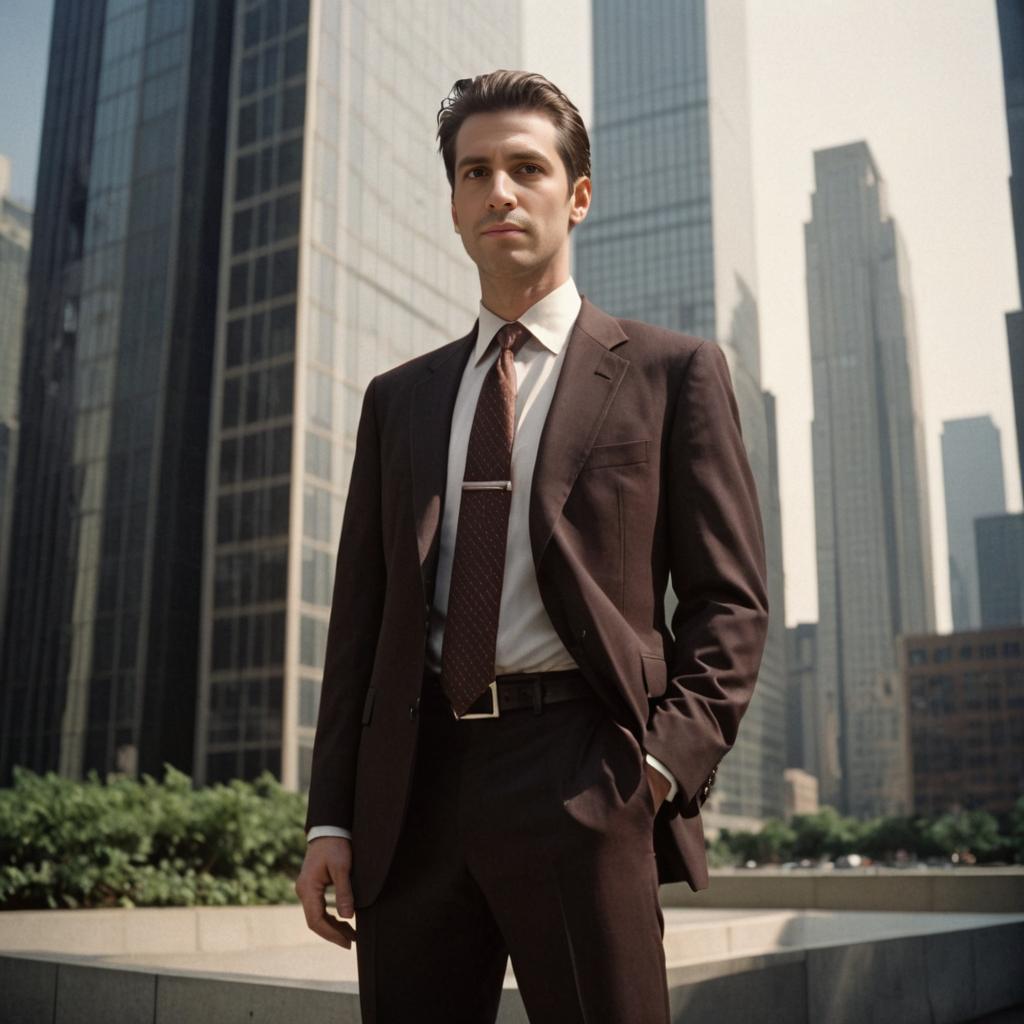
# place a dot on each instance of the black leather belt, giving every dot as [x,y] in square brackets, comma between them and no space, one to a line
[512,693]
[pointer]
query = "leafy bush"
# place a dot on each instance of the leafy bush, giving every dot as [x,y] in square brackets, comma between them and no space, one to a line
[970,835]
[146,843]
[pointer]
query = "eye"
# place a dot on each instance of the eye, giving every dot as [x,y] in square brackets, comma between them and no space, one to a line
[531,167]
[472,172]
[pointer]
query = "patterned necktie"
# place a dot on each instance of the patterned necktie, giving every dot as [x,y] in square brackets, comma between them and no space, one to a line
[478,564]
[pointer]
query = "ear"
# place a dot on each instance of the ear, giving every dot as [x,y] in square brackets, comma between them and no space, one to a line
[455,218]
[580,200]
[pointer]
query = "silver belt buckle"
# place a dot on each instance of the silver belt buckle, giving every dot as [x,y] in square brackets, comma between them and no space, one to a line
[495,711]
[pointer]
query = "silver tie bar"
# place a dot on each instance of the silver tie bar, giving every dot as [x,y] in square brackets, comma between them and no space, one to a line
[487,485]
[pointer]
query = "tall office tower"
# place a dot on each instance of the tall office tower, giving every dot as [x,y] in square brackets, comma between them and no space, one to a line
[870,487]
[670,240]
[15,235]
[812,725]
[999,541]
[338,261]
[99,666]
[1011,38]
[972,470]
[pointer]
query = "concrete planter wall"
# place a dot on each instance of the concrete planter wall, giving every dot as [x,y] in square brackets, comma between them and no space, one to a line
[725,966]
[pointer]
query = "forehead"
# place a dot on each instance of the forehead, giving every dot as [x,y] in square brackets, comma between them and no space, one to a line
[489,134]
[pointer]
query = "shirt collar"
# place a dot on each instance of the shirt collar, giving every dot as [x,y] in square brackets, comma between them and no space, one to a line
[550,320]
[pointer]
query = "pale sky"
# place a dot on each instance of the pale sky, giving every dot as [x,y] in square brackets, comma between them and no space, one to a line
[919,80]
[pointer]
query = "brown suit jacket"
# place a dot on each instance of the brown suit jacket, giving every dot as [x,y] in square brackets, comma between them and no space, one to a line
[641,476]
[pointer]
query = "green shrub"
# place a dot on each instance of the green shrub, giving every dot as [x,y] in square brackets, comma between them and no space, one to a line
[146,843]
[974,836]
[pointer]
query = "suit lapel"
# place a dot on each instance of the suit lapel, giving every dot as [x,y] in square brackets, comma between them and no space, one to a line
[587,384]
[430,422]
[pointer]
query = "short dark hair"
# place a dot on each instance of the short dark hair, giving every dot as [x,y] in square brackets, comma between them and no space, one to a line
[514,90]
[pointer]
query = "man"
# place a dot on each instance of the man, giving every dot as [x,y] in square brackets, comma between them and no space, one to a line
[513,746]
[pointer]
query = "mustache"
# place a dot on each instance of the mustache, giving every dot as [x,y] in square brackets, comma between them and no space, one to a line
[503,222]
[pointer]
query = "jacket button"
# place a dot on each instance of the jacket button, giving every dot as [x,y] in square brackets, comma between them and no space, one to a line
[412,712]
[583,634]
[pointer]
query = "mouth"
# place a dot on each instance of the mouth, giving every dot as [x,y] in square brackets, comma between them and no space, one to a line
[505,229]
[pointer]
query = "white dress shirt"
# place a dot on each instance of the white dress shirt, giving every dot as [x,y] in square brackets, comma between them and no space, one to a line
[527,641]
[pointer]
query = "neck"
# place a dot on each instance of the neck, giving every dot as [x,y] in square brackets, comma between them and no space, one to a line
[510,298]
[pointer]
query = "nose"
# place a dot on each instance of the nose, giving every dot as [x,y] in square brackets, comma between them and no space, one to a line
[501,196]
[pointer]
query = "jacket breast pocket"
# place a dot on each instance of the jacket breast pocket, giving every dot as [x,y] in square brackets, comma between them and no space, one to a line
[622,453]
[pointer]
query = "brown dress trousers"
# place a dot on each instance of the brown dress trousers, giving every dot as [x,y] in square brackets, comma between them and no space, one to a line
[528,836]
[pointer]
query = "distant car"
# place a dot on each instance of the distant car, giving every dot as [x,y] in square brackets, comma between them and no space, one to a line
[849,860]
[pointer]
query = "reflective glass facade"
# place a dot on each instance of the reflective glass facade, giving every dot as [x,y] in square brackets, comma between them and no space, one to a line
[107,678]
[338,261]
[670,240]
[243,218]
[15,236]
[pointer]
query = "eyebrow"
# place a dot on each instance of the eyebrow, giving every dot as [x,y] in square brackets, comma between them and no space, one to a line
[527,154]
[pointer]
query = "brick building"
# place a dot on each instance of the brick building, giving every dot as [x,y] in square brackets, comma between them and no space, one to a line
[965,714]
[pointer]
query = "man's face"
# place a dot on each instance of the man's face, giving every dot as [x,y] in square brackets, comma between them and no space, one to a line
[511,202]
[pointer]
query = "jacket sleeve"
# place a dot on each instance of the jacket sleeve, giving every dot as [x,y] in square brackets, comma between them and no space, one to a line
[718,572]
[360,581]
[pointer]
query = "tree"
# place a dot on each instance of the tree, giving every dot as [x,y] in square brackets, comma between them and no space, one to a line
[825,834]
[968,834]
[883,838]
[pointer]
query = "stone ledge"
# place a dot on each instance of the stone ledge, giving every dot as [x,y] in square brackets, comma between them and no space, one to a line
[836,967]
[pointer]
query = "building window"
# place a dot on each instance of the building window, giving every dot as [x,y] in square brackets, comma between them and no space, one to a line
[309,701]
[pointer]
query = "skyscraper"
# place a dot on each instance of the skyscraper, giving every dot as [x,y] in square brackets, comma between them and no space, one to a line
[870,488]
[242,218]
[1011,38]
[15,235]
[999,541]
[972,469]
[102,621]
[338,261]
[670,240]
[812,727]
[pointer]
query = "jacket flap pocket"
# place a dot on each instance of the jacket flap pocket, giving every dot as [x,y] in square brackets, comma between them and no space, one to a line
[368,705]
[623,453]
[655,674]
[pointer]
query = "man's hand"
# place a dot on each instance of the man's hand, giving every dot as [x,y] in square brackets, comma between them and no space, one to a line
[328,861]
[659,786]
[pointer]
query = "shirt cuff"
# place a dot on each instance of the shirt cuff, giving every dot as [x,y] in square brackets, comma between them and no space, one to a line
[658,766]
[318,831]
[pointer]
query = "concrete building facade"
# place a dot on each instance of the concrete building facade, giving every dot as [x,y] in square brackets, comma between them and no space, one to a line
[871,495]
[801,793]
[965,707]
[670,240]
